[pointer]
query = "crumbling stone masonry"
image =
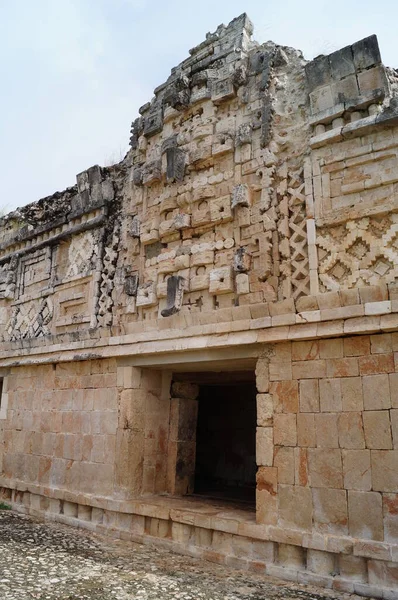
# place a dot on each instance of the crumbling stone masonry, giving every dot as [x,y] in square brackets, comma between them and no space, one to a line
[249,237]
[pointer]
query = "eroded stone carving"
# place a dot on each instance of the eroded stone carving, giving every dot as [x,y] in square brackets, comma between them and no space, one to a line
[361,252]
[175,293]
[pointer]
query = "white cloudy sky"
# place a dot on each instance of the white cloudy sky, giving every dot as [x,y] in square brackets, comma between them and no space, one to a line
[74,72]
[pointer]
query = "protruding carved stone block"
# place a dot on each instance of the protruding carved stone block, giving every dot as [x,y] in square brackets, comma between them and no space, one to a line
[152,172]
[244,134]
[175,164]
[175,293]
[242,260]
[220,209]
[222,145]
[149,231]
[135,228]
[137,175]
[153,122]
[146,294]
[221,281]
[178,222]
[177,94]
[131,284]
[240,195]
[222,90]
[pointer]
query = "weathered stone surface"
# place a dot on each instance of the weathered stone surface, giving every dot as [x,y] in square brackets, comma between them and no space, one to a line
[248,238]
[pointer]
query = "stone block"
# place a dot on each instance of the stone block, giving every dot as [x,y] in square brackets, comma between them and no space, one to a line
[366,53]
[181,533]
[384,574]
[240,196]
[326,430]
[301,466]
[376,392]
[221,281]
[280,370]
[291,556]
[325,467]
[306,435]
[84,512]
[351,394]
[330,395]
[376,364]
[70,509]
[365,515]
[242,284]
[285,430]
[384,470]
[285,396]
[322,563]
[266,496]
[377,429]
[265,409]
[309,369]
[309,396]
[390,515]
[352,567]
[381,343]
[146,295]
[203,537]
[342,63]
[351,434]
[264,446]
[318,72]
[393,379]
[342,367]
[263,551]
[284,462]
[345,90]
[262,375]
[220,209]
[331,348]
[295,507]
[306,350]
[357,345]
[330,510]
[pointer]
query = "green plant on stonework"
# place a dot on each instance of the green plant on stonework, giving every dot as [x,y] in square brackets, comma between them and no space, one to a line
[4,506]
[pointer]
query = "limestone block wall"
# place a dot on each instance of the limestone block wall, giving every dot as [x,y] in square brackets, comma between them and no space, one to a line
[61,427]
[327,445]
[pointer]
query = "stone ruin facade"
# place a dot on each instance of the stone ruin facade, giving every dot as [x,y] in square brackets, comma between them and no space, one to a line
[199,345]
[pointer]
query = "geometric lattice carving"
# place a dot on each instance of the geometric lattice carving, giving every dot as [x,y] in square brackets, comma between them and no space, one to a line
[106,287]
[30,320]
[295,267]
[81,254]
[362,252]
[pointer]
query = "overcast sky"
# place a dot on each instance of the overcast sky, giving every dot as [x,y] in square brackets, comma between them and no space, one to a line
[75,72]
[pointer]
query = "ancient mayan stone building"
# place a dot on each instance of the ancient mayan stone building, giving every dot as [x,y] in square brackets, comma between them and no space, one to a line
[199,345]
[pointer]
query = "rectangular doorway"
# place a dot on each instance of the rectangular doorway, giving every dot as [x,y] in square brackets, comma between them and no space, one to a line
[225,440]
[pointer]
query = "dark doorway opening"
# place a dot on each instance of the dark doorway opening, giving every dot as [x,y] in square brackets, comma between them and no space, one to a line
[225,442]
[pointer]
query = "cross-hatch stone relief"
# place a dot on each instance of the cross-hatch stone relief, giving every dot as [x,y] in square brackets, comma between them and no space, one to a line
[358,253]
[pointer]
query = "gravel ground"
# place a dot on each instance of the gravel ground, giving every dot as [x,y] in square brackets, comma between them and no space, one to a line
[48,561]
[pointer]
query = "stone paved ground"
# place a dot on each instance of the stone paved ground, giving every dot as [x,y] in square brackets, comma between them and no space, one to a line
[53,562]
